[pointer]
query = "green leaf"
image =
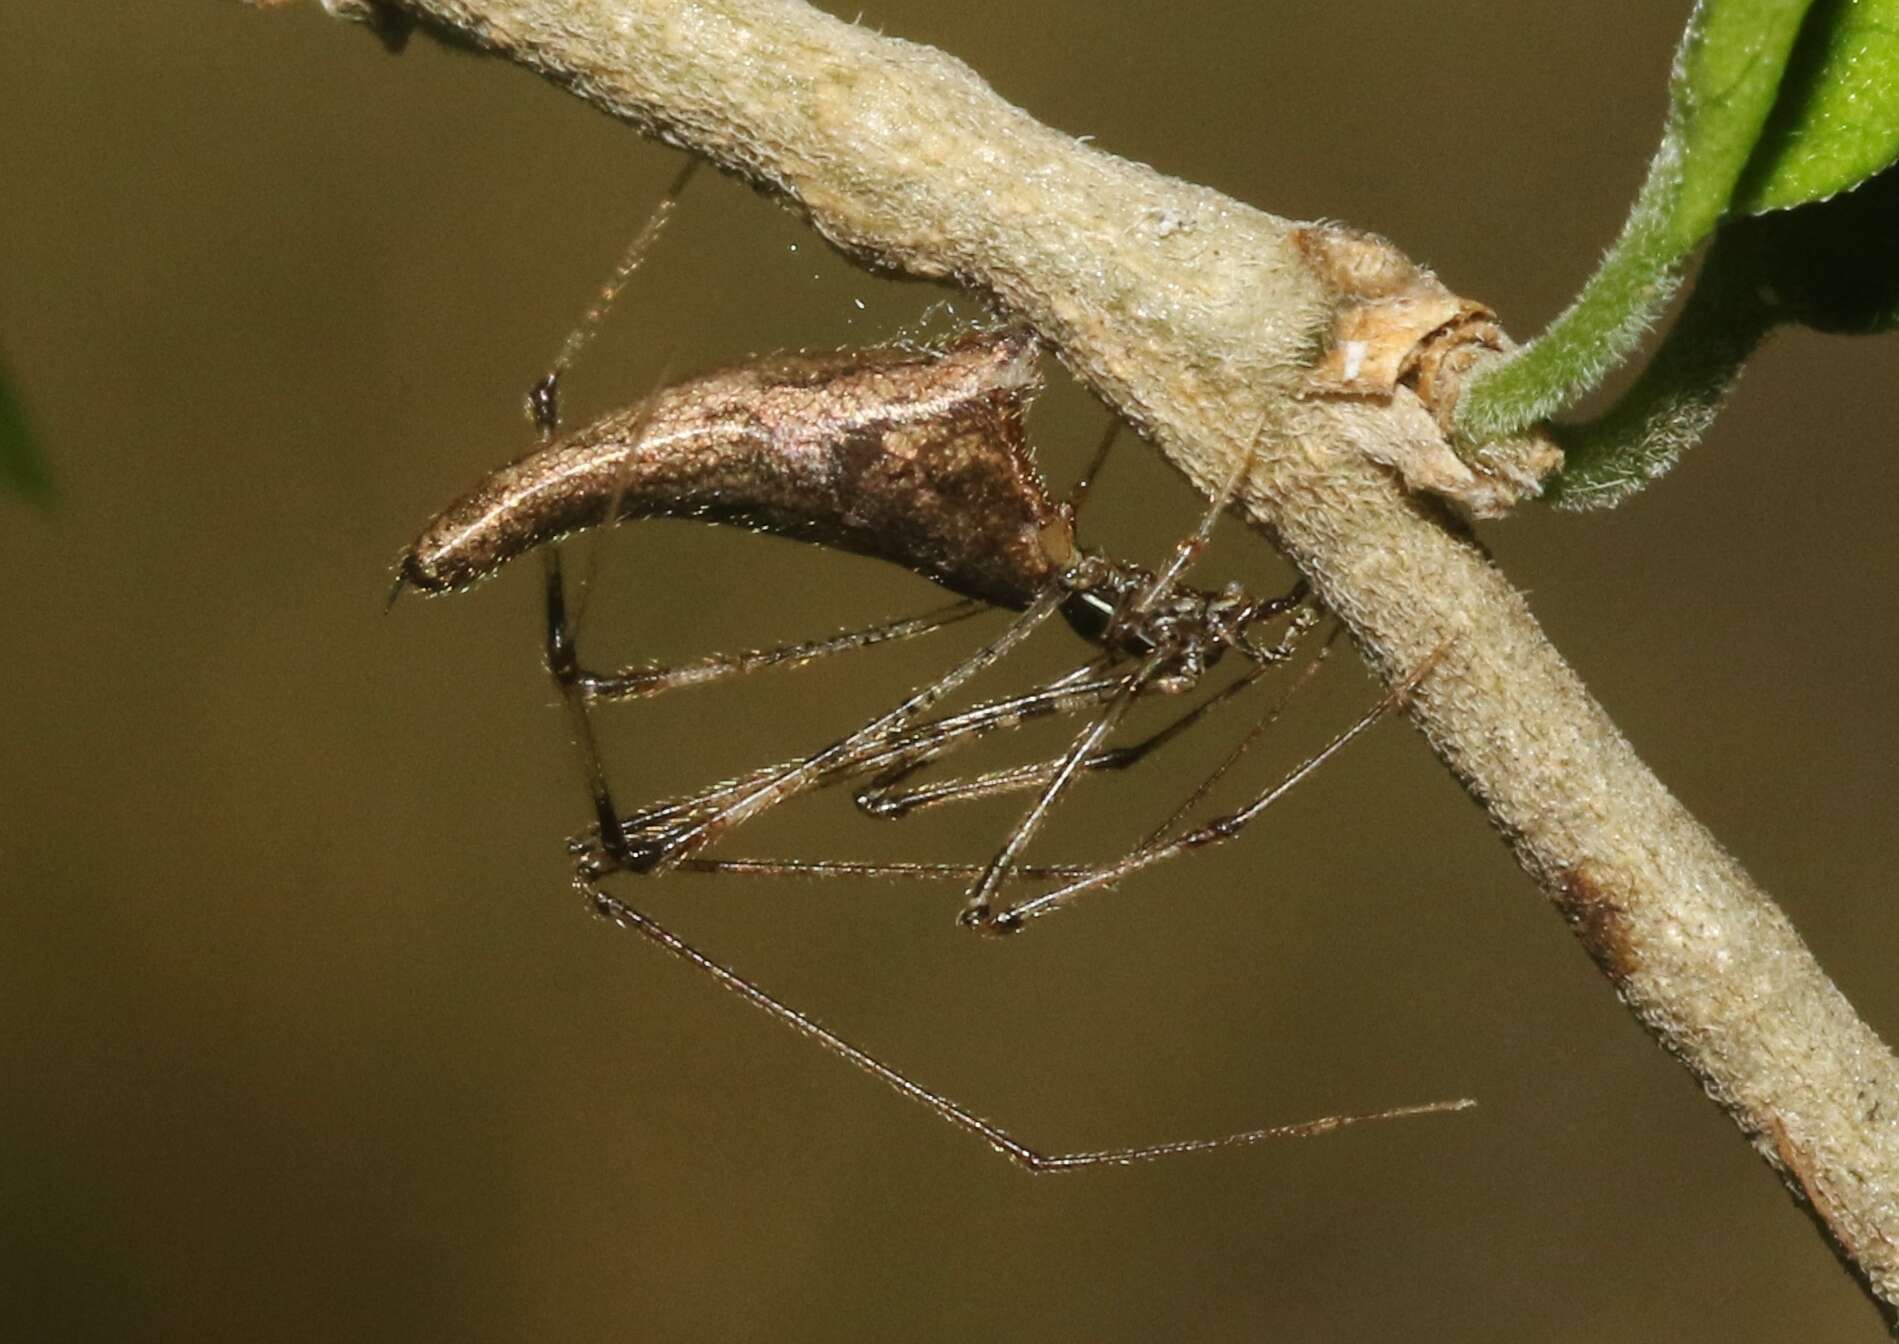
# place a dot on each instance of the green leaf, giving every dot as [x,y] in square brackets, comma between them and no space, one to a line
[21,467]
[1774,104]
[1727,73]
[1726,82]
[1836,122]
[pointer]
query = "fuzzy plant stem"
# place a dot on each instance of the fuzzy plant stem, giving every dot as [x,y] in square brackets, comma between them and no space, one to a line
[1670,406]
[1199,318]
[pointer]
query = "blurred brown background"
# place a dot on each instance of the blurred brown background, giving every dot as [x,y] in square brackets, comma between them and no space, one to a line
[303,1035]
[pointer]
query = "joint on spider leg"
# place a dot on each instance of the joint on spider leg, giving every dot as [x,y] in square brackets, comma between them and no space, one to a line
[1304,618]
[887,800]
[988,921]
[881,802]
[1293,596]
[604,906]
[1301,625]
[563,665]
[593,688]
[641,856]
[613,839]
[591,862]
[543,403]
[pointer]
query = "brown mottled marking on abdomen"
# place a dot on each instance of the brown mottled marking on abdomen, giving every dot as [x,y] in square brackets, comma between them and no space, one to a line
[913,456]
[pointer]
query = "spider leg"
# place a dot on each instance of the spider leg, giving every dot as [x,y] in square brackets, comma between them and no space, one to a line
[886,757]
[976,907]
[950,1111]
[650,853]
[1214,832]
[544,397]
[640,682]
[885,799]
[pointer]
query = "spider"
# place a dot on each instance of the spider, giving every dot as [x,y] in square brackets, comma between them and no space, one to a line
[916,456]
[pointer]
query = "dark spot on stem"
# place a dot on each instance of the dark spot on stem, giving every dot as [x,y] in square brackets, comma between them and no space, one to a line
[1600,922]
